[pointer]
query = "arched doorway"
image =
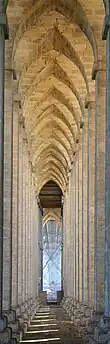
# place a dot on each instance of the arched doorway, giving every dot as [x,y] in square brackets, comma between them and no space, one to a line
[52,241]
[51,255]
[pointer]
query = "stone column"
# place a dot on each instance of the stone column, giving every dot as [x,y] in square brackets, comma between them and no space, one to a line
[41,248]
[77,225]
[15,194]
[71,234]
[82,286]
[65,244]
[7,217]
[37,272]
[106,36]
[37,230]
[62,245]
[90,104]
[84,209]
[3,36]
[30,230]
[75,262]
[32,235]
[20,211]
[24,224]
[80,221]
[35,242]
[38,239]
[99,186]
[68,243]
[74,226]
[99,202]
[29,234]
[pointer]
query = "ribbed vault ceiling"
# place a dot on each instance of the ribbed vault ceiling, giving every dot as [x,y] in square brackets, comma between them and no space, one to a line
[54,48]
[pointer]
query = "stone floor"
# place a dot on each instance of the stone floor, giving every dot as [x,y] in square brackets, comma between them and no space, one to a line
[51,325]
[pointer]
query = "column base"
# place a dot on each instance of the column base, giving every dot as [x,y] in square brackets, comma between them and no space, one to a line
[93,321]
[101,332]
[6,335]
[79,314]
[26,311]
[14,324]
[11,315]
[17,320]
[3,323]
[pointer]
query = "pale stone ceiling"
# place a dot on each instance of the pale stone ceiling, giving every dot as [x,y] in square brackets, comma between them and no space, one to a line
[54,45]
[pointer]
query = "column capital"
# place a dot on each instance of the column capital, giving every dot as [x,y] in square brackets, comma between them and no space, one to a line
[25,139]
[77,139]
[76,154]
[33,169]
[81,123]
[90,98]
[11,70]
[106,24]
[69,174]
[98,65]
[22,120]
[28,154]
[16,97]
[17,103]
[4,24]
[30,162]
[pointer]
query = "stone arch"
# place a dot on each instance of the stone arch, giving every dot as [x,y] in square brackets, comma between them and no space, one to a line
[50,176]
[62,143]
[59,96]
[59,43]
[73,11]
[51,214]
[53,148]
[51,154]
[54,111]
[52,167]
[62,75]
[57,71]
[50,160]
